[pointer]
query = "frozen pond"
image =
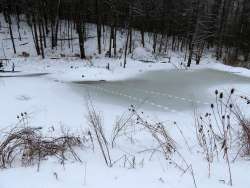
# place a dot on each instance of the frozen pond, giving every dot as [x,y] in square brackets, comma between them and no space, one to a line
[174,90]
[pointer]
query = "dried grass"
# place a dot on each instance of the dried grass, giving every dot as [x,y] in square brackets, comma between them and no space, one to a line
[29,146]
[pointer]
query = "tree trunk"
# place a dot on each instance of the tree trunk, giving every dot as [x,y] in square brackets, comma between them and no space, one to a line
[154,42]
[126,50]
[98,27]
[130,40]
[79,26]
[142,38]
[36,38]
[191,48]
[41,40]
[114,41]
[110,40]
[11,34]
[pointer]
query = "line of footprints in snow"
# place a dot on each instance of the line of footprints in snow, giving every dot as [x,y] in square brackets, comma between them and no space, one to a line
[139,100]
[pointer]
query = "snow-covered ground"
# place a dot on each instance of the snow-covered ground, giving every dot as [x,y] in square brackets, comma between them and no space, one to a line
[43,88]
[50,101]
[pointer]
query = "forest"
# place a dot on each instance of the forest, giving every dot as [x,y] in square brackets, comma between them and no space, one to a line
[124,93]
[190,26]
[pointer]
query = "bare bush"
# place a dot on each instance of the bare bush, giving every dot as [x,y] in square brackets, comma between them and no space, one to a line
[158,132]
[244,132]
[122,125]
[245,136]
[135,123]
[95,123]
[29,146]
[165,143]
[214,130]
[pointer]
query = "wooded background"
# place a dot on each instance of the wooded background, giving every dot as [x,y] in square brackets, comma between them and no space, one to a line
[183,25]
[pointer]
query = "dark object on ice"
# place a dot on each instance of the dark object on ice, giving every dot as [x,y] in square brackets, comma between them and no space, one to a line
[76,55]
[24,54]
[24,44]
[90,82]
[13,67]
[147,61]
[108,66]
[107,54]
[1,65]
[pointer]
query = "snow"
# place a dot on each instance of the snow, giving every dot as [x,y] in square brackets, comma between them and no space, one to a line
[143,54]
[50,100]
